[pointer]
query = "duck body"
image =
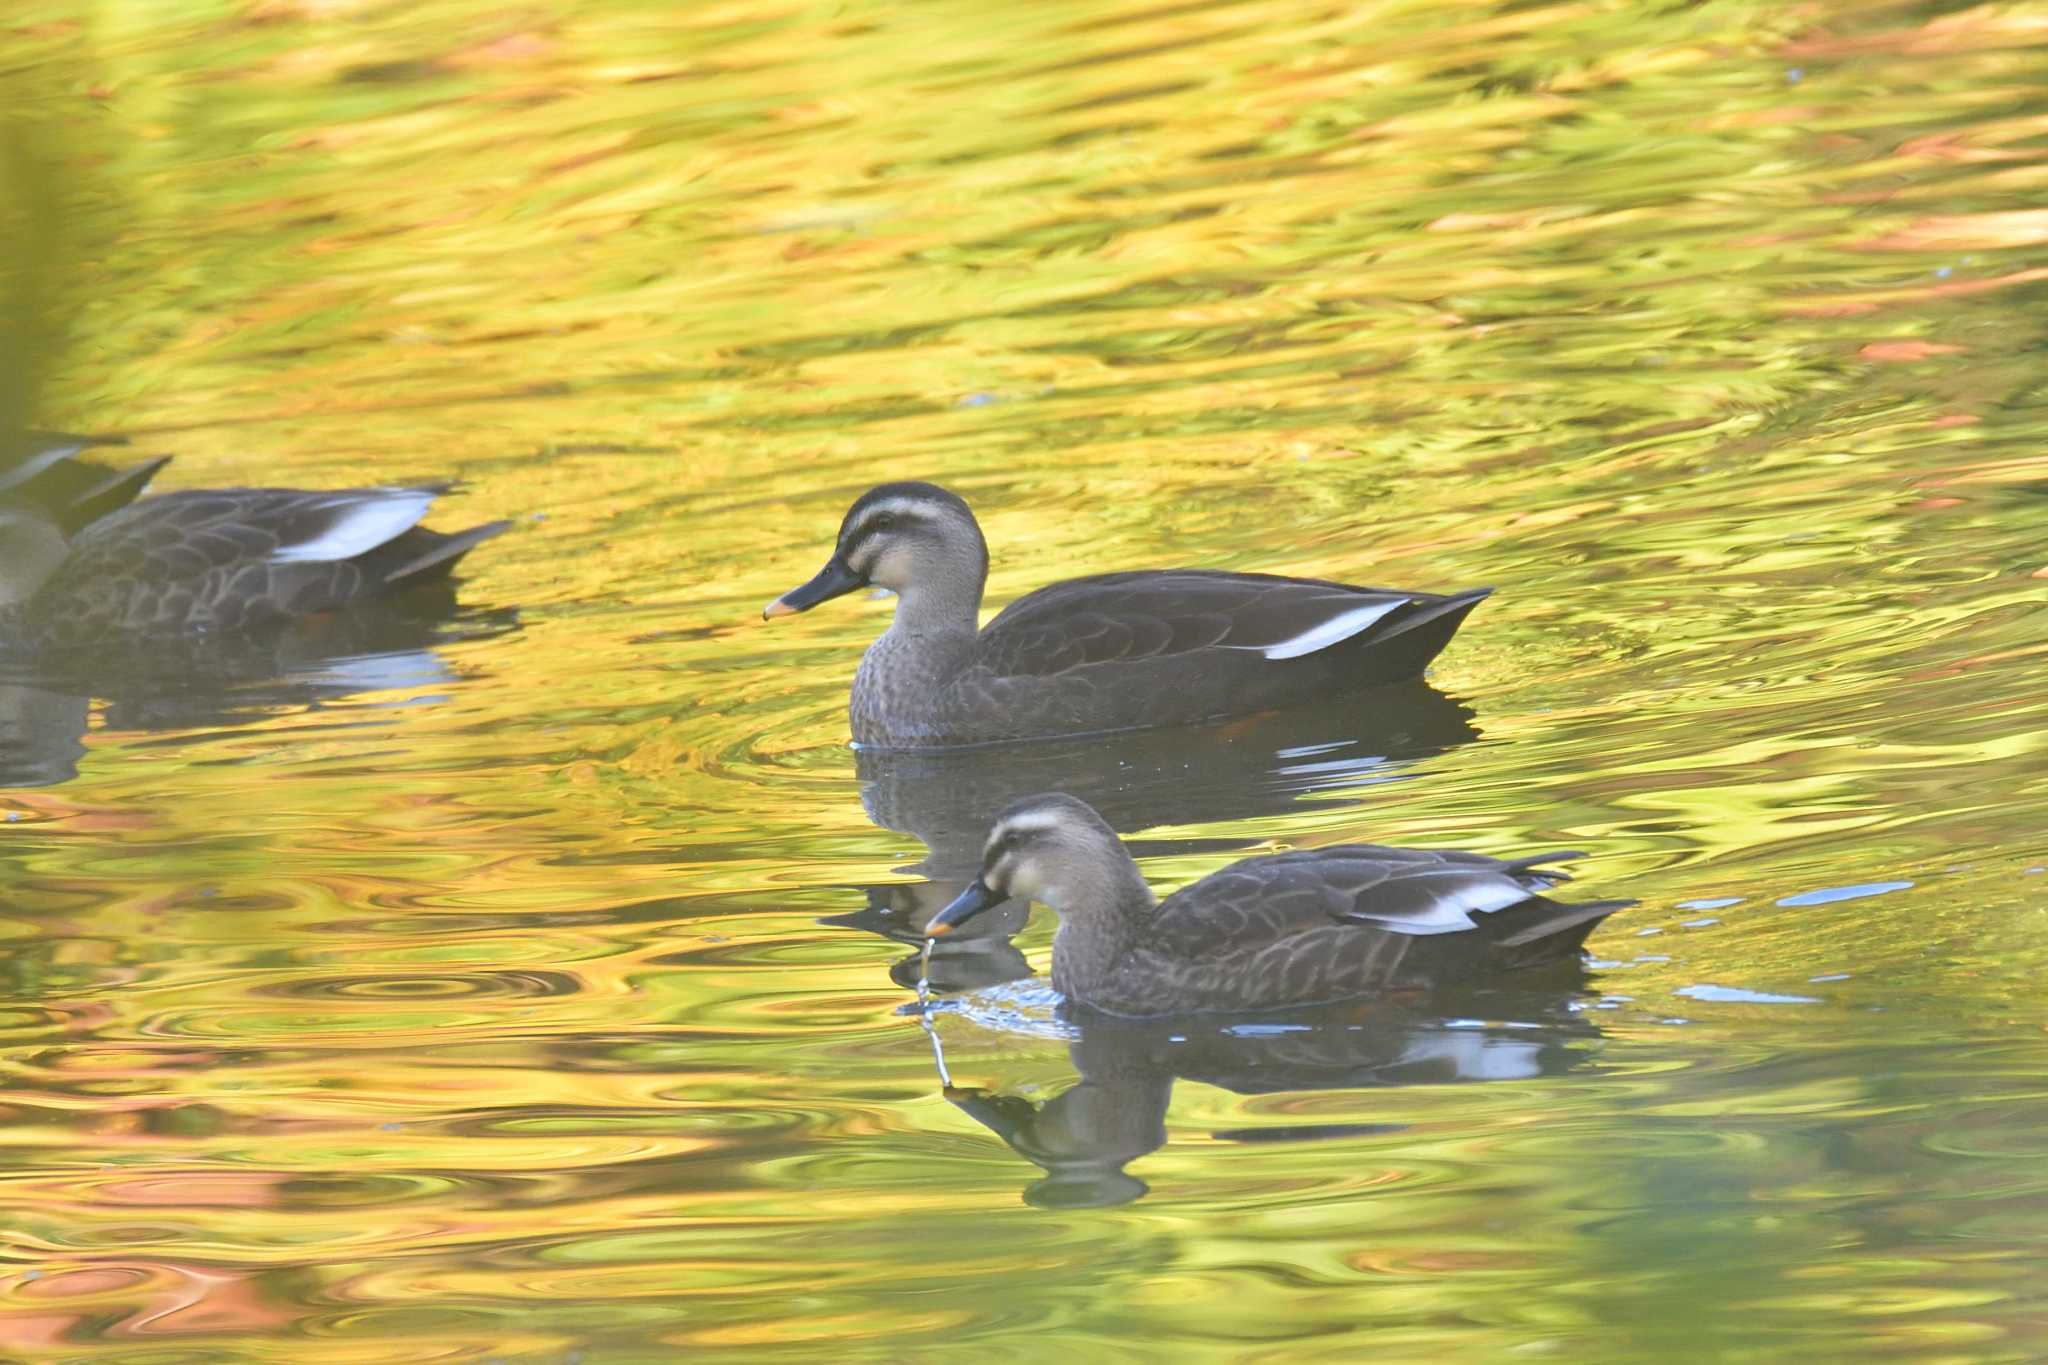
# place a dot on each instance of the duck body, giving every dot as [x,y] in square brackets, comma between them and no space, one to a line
[1128,651]
[1111,652]
[231,562]
[1280,931]
[1327,924]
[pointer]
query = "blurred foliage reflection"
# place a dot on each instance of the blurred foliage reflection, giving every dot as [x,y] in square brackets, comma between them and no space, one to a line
[484,1011]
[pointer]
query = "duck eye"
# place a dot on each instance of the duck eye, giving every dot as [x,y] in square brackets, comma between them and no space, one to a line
[882,521]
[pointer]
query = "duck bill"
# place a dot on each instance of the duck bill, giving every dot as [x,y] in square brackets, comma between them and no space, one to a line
[963,908]
[834,580]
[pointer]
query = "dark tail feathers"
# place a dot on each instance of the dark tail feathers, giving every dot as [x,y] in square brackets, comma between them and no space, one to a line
[1403,648]
[423,556]
[1566,930]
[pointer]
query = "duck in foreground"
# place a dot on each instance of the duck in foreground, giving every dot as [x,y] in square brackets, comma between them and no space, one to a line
[1272,932]
[229,562]
[1118,651]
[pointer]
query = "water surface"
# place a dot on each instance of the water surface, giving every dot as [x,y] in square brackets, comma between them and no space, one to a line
[524,999]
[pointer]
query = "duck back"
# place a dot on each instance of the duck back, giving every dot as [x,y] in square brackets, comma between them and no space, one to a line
[1317,926]
[1129,651]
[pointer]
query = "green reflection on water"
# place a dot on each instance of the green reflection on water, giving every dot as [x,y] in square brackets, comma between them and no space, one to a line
[490,1014]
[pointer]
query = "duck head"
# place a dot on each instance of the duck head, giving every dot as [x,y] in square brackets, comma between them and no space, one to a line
[1055,850]
[31,548]
[910,538]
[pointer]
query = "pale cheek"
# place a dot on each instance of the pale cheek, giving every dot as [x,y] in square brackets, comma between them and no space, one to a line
[1050,890]
[889,570]
[1022,880]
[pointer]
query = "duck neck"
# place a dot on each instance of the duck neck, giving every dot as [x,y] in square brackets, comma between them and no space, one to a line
[943,599]
[1103,916]
[30,551]
[916,658]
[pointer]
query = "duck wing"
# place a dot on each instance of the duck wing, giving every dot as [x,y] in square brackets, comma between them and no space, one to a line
[1301,928]
[1154,614]
[1412,892]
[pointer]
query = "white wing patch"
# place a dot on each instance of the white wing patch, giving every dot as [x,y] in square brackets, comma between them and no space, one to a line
[1452,912]
[1342,626]
[361,524]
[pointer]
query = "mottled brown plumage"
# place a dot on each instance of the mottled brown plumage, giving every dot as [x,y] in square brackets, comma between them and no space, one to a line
[226,564]
[1273,932]
[1111,652]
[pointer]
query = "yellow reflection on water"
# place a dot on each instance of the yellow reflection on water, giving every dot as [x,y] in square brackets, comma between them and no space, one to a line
[489,1014]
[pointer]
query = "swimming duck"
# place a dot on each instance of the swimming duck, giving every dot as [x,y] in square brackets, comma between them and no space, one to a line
[1279,931]
[1118,651]
[226,562]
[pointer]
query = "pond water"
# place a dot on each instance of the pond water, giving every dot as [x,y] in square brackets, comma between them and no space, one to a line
[531,994]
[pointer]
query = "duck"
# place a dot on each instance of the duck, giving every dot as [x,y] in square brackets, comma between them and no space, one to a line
[1278,931]
[1109,652]
[221,563]
[42,470]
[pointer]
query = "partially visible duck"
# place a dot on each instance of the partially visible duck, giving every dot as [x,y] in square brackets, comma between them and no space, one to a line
[228,562]
[1117,651]
[1293,761]
[42,470]
[1274,932]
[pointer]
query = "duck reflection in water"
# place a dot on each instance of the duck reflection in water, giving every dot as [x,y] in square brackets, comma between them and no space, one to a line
[1301,759]
[1116,1111]
[208,606]
[1387,929]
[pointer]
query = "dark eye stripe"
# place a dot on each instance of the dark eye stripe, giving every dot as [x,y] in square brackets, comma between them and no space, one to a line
[886,519]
